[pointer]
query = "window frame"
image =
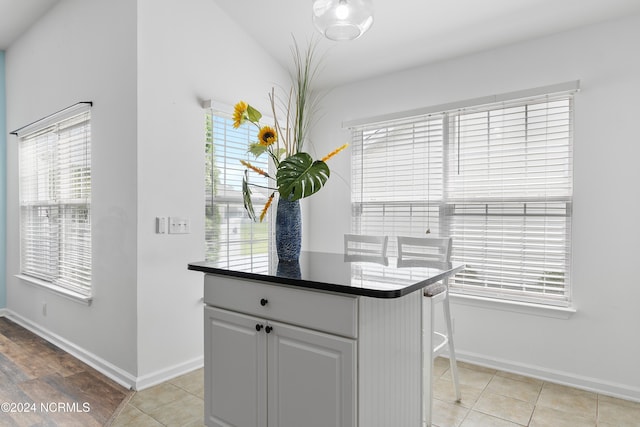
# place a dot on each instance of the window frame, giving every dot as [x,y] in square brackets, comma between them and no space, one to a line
[445,204]
[63,139]
[234,201]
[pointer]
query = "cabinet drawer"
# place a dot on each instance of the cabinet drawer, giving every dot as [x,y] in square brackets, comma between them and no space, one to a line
[331,313]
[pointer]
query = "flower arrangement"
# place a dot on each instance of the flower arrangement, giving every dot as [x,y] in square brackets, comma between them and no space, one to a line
[297,174]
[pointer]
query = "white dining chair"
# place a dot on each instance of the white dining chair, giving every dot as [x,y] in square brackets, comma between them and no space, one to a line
[433,251]
[367,248]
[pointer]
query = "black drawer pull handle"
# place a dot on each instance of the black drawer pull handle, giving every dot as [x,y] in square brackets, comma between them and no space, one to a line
[268,329]
[264,302]
[259,327]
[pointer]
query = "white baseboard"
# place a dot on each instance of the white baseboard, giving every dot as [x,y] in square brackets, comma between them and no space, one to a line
[154,378]
[108,369]
[622,391]
[118,375]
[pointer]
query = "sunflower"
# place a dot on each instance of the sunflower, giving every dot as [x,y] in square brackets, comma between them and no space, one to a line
[240,113]
[267,136]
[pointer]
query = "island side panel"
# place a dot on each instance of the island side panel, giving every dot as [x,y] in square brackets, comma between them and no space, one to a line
[390,361]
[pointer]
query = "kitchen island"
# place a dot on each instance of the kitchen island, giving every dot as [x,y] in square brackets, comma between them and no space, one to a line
[322,342]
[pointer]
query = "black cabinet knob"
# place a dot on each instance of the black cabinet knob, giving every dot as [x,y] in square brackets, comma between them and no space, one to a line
[268,329]
[264,302]
[259,327]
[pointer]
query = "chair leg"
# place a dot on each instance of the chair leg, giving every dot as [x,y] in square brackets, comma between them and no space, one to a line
[452,353]
[427,358]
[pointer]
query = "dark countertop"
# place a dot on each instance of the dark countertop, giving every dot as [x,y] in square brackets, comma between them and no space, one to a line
[331,272]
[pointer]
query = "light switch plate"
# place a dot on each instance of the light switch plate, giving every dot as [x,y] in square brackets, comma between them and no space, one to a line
[179,225]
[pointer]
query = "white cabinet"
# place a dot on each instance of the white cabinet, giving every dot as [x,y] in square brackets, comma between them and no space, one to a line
[311,378]
[281,356]
[235,370]
[264,373]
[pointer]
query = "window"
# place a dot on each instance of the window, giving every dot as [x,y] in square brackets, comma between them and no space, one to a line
[55,201]
[232,238]
[497,177]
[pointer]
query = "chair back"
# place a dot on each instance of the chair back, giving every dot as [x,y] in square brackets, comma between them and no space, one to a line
[423,251]
[368,248]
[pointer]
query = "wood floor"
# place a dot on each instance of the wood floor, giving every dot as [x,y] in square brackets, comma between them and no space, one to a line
[41,385]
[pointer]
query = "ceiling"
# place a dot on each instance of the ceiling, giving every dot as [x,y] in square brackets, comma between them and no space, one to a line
[16,16]
[405,33]
[409,33]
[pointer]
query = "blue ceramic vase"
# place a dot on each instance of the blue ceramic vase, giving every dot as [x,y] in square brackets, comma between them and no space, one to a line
[288,230]
[289,269]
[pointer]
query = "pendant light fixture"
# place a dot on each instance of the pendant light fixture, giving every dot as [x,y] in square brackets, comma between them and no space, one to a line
[342,20]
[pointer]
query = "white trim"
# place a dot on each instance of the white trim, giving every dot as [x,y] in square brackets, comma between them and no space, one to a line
[59,290]
[118,375]
[571,86]
[171,372]
[513,306]
[595,385]
[218,107]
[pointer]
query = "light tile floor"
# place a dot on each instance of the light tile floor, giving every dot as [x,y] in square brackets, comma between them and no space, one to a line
[490,398]
[178,402]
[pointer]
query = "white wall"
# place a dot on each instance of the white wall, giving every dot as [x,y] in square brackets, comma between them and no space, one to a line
[597,347]
[185,54]
[146,64]
[75,53]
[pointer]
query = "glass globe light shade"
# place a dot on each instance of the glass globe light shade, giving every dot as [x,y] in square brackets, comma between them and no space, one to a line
[341,20]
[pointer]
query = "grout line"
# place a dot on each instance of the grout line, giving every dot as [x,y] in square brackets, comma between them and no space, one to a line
[171,382]
[120,408]
[535,403]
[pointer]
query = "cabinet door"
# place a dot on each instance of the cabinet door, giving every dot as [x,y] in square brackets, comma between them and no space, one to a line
[312,378]
[235,370]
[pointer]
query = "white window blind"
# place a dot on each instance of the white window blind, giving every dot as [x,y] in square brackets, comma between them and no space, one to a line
[397,177]
[232,238]
[497,178]
[509,195]
[55,202]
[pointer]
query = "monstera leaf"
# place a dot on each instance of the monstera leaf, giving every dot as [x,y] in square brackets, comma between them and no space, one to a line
[299,176]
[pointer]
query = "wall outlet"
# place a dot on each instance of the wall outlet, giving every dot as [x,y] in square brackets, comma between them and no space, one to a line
[179,225]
